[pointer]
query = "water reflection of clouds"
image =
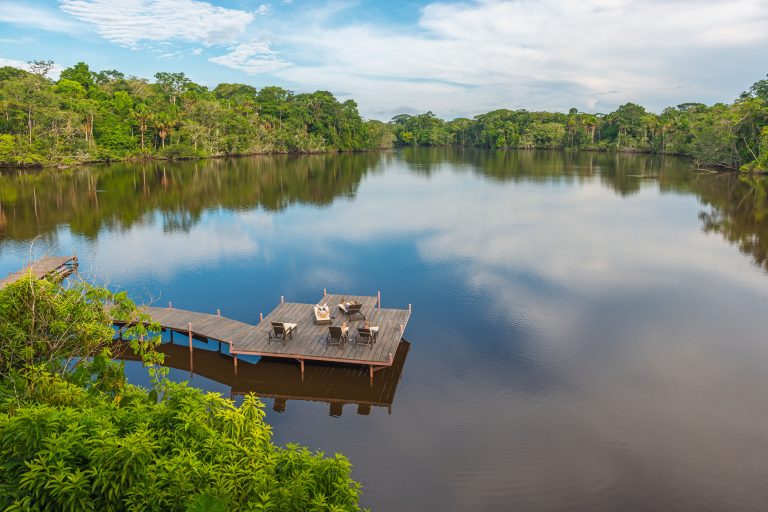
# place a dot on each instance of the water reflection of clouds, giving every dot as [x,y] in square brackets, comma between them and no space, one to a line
[122,254]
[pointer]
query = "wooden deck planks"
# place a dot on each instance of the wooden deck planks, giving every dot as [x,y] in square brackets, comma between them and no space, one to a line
[40,268]
[308,341]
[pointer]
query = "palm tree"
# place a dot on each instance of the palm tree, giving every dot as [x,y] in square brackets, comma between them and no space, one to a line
[142,115]
[163,125]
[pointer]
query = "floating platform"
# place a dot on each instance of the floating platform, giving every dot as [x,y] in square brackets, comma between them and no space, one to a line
[308,341]
[59,266]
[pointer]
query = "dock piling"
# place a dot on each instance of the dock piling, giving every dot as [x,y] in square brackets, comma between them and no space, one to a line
[189,328]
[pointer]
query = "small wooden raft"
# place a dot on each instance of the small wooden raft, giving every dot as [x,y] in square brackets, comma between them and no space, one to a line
[60,266]
[308,341]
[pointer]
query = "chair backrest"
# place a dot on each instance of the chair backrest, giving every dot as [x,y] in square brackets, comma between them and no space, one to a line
[278,327]
[335,331]
[354,308]
[364,332]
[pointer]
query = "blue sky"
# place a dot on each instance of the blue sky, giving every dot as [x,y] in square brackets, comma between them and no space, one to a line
[454,58]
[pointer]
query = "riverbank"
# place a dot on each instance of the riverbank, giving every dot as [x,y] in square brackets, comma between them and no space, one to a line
[159,158]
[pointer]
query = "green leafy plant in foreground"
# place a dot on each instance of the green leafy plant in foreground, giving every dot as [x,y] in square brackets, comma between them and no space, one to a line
[63,448]
[77,437]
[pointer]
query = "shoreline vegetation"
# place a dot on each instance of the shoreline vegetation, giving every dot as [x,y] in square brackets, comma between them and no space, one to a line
[74,435]
[95,117]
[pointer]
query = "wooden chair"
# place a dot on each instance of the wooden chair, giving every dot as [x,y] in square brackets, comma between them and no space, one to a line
[337,336]
[354,308]
[366,336]
[281,331]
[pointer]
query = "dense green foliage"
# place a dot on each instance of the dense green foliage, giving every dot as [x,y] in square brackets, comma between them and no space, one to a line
[61,330]
[726,136]
[89,116]
[98,116]
[74,436]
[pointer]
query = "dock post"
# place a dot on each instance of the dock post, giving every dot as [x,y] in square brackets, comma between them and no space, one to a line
[218,312]
[409,308]
[390,359]
[171,336]
[282,299]
[371,370]
[189,327]
[170,305]
[261,317]
[301,362]
[234,361]
[379,300]
[325,292]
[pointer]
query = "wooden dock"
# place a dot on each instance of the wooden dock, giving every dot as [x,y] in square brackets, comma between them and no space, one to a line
[308,342]
[59,266]
[276,379]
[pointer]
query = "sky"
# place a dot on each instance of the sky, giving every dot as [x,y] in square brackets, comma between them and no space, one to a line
[456,59]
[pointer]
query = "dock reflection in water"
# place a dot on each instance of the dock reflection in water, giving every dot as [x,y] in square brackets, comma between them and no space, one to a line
[334,384]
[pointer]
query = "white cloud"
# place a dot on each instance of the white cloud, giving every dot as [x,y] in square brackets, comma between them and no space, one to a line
[263,9]
[130,23]
[53,73]
[473,56]
[252,57]
[24,15]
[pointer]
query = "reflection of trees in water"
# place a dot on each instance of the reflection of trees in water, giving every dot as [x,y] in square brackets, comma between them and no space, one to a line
[621,172]
[90,199]
[35,203]
[738,210]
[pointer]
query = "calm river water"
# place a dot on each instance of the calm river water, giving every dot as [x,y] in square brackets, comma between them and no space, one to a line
[588,331]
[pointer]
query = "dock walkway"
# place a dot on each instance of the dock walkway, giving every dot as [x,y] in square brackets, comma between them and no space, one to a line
[308,342]
[61,266]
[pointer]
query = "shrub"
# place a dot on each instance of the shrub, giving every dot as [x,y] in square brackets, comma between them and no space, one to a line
[64,448]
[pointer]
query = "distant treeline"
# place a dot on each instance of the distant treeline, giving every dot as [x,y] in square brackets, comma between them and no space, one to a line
[102,116]
[731,136]
[90,116]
